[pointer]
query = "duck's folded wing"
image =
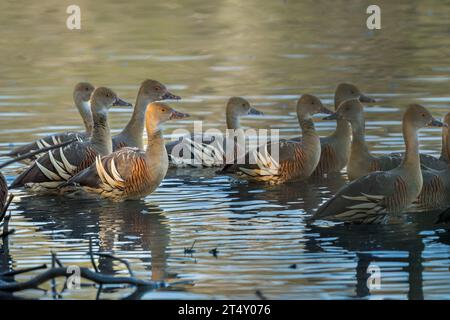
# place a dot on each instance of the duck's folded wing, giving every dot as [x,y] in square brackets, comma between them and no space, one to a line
[58,165]
[365,196]
[51,140]
[426,161]
[111,171]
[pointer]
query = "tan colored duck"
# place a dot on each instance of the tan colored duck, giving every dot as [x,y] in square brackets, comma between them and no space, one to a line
[361,161]
[81,96]
[3,192]
[132,173]
[209,152]
[336,147]
[376,196]
[131,135]
[297,159]
[59,165]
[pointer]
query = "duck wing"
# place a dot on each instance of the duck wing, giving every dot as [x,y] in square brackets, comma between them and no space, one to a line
[366,200]
[58,165]
[113,170]
[50,140]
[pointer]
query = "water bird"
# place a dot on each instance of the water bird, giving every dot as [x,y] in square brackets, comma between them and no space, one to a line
[131,135]
[58,165]
[379,195]
[81,95]
[435,172]
[361,162]
[297,159]
[204,150]
[336,147]
[131,173]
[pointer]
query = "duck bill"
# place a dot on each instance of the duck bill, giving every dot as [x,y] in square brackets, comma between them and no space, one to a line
[326,111]
[364,98]
[332,116]
[121,103]
[255,112]
[436,123]
[178,115]
[170,96]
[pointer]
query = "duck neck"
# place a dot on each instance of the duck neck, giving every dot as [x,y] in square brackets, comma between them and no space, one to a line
[155,141]
[343,129]
[309,135]
[445,145]
[411,159]
[84,108]
[233,120]
[359,147]
[134,129]
[101,135]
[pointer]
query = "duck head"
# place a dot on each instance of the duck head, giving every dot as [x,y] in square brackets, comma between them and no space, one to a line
[346,91]
[350,110]
[82,92]
[103,99]
[418,116]
[238,106]
[309,105]
[152,90]
[158,112]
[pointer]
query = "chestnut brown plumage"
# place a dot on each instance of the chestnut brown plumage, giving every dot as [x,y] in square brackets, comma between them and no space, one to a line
[131,173]
[58,165]
[296,159]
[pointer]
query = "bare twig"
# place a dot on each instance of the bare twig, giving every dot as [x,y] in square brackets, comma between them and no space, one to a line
[20,271]
[33,153]
[85,273]
[110,256]
[91,254]
[5,208]
[56,260]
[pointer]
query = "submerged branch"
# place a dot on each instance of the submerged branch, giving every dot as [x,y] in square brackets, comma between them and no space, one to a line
[85,273]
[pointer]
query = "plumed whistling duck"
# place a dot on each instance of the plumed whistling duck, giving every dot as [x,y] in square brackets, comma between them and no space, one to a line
[361,161]
[208,151]
[131,135]
[297,159]
[81,95]
[336,147]
[59,165]
[377,196]
[131,173]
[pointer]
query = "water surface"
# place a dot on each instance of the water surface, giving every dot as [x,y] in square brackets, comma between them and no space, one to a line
[206,51]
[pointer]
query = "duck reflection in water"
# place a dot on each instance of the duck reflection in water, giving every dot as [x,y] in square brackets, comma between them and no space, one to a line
[377,246]
[121,229]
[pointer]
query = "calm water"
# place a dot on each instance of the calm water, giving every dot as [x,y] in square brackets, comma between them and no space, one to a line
[205,51]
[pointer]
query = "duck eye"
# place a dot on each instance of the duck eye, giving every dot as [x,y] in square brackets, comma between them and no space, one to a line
[156,88]
[423,115]
[163,110]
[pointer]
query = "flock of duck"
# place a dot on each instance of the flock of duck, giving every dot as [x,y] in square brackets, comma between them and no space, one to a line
[120,168]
